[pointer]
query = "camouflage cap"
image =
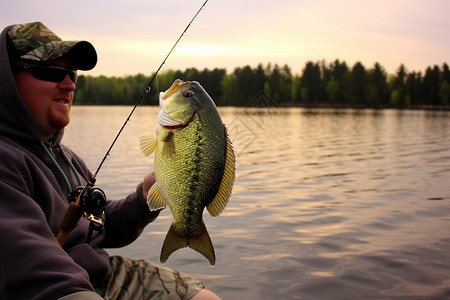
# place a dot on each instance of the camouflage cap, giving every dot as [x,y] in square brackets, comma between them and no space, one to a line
[34,41]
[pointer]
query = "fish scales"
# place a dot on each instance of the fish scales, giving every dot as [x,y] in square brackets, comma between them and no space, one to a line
[197,163]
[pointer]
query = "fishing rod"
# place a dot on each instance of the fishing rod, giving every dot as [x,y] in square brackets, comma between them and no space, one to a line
[91,201]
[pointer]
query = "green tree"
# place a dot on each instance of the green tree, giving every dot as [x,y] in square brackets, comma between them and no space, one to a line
[246,90]
[304,93]
[444,90]
[399,84]
[260,80]
[445,74]
[378,80]
[414,88]
[312,81]
[280,81]
[333,91]
[230,91]
[358,82]
[213,82]
[341,74]
[444,93]
[395,98]
[431,85]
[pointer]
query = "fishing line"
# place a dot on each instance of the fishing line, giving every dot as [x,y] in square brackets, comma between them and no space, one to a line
[146,91]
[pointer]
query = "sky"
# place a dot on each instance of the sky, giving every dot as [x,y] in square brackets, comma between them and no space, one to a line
[134,36]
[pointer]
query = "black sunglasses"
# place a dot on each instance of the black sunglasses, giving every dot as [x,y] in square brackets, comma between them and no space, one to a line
[49,72]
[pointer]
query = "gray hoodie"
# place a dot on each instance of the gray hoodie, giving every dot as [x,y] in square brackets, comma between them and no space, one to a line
[33,200]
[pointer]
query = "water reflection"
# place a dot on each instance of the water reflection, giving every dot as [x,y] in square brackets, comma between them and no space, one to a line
[328,204]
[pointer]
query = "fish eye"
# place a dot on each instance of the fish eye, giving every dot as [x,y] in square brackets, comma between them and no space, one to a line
[188,94]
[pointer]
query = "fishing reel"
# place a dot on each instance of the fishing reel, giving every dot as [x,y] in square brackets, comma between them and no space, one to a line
[93,204]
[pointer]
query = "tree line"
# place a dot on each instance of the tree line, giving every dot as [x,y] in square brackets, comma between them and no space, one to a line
[319,84]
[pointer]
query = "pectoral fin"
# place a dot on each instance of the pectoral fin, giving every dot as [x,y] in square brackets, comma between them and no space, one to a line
[148,144]
[220,201]
[155,200]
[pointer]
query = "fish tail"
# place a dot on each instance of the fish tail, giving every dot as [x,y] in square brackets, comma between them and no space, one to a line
[201,243]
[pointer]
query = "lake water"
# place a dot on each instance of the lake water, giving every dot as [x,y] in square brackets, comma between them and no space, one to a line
[327,204]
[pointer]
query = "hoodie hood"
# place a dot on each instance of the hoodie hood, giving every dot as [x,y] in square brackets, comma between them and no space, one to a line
[16,121]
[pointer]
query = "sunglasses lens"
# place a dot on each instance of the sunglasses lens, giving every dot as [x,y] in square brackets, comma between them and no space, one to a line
[54,75]
[50,72]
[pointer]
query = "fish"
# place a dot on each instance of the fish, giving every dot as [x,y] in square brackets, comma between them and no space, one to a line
[194,164]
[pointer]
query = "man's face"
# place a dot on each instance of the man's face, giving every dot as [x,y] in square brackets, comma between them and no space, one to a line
[49,102]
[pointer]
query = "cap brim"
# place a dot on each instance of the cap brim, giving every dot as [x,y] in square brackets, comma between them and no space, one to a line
[82,56]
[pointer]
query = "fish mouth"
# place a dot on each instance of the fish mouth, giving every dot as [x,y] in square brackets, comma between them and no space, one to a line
[178,84]
[167,122]
[163,118]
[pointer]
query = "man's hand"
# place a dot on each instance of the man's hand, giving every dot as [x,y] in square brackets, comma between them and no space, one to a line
[149,180]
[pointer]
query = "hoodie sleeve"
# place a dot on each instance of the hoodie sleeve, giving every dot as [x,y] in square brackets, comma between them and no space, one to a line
[126,219]
[33,265]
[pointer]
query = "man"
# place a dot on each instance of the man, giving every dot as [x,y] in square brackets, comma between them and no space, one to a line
[37,173]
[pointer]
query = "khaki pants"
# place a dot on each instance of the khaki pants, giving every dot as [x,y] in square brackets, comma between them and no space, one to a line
[143,280]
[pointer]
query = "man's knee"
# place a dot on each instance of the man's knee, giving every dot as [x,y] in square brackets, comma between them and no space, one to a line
[205,295]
